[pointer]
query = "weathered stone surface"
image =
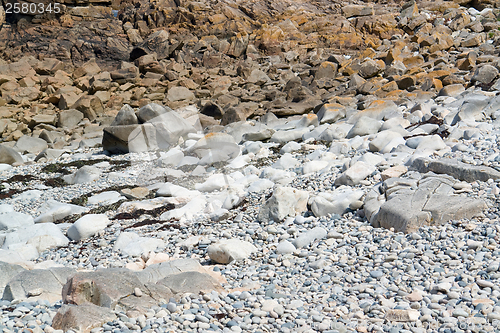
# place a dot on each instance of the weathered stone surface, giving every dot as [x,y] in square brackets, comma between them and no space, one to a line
[190,282]
[10,156]
[28,144]
[285,201]
[82,318]
[456,169]
[431,203]
[7,273]
[38,284]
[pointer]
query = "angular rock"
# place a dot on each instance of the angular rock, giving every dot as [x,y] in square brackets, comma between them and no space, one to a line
[337,202]
[57,211]
[485,74]
[38,284]
[28,144]
[285,201]
[69,118]
[7,273]
[10,156]
[355,174]
[126,116]
[14,220]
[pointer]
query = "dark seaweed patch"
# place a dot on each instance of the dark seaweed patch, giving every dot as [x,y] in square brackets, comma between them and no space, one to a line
[55,182]
[137,213]
[21,178]
[63,167]
[8,194]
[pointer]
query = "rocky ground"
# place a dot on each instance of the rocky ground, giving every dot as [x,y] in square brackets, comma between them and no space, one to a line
[307,166]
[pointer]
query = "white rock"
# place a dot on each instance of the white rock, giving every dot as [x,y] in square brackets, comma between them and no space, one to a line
[364,126]
[281,177]
[336,132]
[370,158]
[286,161]
[58,211]
[42,236]
[105,198]
[14,220]
[285,247]
[5,167]
[285,201]
[392,144]
[84,175]
[6,208]
[239,162]
[260,185]
[289,147]
[433,142]
[214,182]
[287,136]
[216,146]
[188,160]
[382,139]
[26,251]
[87,226]
[194,207]
[132,244]
[314,166]
[172,190]
[336,202]
[29,195]
[171,157]
[355,174]
[229,250]
[309,236]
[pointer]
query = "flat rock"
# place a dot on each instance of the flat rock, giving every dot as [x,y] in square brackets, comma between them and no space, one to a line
[432,203]
[82,318]
[190,282]
[456,169]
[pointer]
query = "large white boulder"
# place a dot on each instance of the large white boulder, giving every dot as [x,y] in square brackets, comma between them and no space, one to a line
[87,226]
[226,251]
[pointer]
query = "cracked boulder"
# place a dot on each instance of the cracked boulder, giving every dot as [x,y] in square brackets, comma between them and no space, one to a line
[408,204]
[135,292]
[81,318]
[38,284]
